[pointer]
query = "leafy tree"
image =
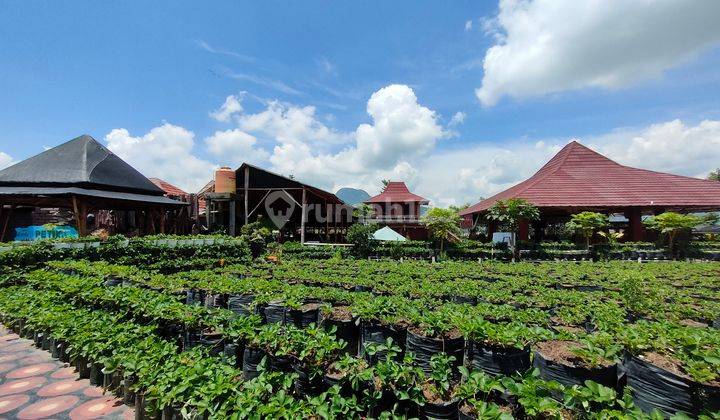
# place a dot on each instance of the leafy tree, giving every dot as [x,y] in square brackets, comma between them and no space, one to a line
[384,182]
[586,223]
[509,213]
[442,224]
[360,235]
[672,223]
[714,175]
[363,211]
[458,209]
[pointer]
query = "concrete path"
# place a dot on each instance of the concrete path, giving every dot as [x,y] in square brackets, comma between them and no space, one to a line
[33,385]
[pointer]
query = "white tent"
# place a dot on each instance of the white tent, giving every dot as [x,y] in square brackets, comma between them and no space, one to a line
[387,234]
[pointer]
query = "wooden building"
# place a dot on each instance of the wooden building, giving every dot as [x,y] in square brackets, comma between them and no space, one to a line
[297,210]
[399,209]
[579,179]
[85,177]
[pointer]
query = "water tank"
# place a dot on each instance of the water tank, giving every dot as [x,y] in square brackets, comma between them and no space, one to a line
[225,180]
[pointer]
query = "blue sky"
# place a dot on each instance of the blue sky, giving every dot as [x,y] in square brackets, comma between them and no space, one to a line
[148,75]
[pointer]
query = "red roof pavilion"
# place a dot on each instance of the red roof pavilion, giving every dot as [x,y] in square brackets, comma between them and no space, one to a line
[578,179]
[397,192]
[398,208]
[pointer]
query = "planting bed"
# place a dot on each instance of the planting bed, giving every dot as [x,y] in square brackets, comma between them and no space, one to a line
[220,338]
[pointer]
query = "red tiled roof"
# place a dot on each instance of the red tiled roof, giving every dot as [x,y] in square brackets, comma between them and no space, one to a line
[397,192]
[580,177]
[169,188]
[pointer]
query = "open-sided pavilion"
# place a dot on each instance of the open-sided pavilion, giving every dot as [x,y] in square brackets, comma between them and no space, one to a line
[579,179]
[84,176]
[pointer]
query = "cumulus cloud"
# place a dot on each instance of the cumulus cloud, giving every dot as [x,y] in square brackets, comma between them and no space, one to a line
[468,25]
[287,123]
[672,146]
[234,146]
[231,106]
[164,152]
[5,160]
[545,46]
[457,119]
[400,130]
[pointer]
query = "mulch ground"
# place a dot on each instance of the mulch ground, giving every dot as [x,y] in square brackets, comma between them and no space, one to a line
[33,385]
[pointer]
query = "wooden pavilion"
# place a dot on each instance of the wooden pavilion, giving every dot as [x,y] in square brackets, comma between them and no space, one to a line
[298,210]
[84,176]
[399,209]
[579,179]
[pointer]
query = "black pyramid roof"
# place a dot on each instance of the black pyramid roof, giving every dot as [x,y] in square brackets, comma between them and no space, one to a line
[80,162]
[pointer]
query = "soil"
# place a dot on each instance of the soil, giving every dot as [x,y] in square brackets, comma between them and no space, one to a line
[431,395]
[571,330]
[450,335]
[340,313]
[672,365]
[559,352]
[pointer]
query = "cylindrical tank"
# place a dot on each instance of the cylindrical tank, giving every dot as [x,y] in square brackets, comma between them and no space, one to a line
[225,180]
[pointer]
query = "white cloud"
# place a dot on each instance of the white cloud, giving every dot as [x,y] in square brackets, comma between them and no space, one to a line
[287,123]
[164,152]
[211,49]
[5,160]
[235,146]
[457,119]
[545,46]
[231,106]
[671,146]
[468,25]
[401,127]
[278,85]
[400,131]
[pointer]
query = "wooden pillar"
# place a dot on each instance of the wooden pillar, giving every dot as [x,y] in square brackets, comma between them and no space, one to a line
[231,216]
[524,230]
[539,228]
[6,223]
[162,220]
[635,226]
[208,205]
[491,228]
[302,217]
[247,191]
[80,211]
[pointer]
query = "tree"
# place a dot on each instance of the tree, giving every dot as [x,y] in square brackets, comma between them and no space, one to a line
[672,223]
[509,213]
[586,223]
[714,175]
[458,209]
[360,235]
[384,183]
[442,224]
[363,212]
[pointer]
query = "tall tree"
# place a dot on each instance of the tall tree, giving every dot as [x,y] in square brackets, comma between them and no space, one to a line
[672,223]
[714,175]
[587,223]
[442,224]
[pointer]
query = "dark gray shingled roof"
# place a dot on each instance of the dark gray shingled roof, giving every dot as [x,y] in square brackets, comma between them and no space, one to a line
[81,162]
